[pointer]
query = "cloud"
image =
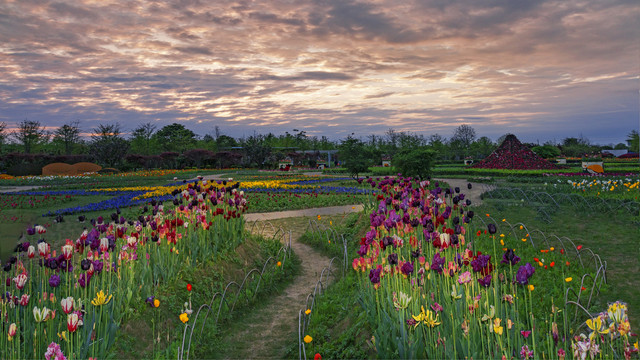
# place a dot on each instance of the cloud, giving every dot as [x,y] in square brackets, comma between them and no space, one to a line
[337,66]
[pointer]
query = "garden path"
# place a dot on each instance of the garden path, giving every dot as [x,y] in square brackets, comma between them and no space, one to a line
[269,333]
[10,189]
[473,194]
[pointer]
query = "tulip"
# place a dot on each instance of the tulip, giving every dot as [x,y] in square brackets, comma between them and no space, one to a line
[73,321]
[101,299]
[24,299]
[67,251]
[31,251]
[43,249]
[41,315]
[12,331]
[20,280]
[54,280]
[67,304]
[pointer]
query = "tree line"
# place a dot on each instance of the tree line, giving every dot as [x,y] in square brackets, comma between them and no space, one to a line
[31,145]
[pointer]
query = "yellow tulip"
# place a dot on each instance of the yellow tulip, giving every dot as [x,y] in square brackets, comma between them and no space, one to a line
[101,299]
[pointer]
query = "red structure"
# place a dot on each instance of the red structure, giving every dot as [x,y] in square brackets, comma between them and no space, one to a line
[511,154]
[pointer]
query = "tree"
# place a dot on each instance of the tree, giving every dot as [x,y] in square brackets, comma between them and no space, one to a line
[633,139]
[225,142]
[482,147]
[546,151]
[142,139]
[175,137]
[3,135]
[465,135]
[68,135]
[255,151]
[415,161]
[30,134]
[107,145]
[354,155]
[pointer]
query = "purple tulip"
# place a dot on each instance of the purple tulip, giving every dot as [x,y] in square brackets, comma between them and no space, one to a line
[374,275]
[407,268]
[485,281]
[54,280]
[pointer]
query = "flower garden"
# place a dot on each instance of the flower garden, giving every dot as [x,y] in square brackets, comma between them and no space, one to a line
[110,267]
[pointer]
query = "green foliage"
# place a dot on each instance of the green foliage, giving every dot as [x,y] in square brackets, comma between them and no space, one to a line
[415,162]
[175,137]
[355,156]
[633,139]
[546,151]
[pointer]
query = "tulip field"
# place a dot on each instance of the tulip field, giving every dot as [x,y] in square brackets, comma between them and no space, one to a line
[119,265]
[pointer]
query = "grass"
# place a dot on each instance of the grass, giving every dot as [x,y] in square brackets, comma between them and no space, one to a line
[136,336]
[614,238]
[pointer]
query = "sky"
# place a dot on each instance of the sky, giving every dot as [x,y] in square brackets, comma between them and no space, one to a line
[543,70]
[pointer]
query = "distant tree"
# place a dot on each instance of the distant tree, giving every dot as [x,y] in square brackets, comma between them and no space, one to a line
[620,146]
[175,137]
[465,135]
[107,145]
[255,150]
[142,139]
[354,155]
[633,140]
[482,147]
[68,135]
[415,161]
[30,134]
[546,151]
[225,142]
[576,147]
[3,135]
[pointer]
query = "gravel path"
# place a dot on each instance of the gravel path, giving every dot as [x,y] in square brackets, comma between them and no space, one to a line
[472,194]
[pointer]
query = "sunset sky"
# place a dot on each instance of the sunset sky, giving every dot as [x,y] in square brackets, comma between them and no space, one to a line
[542,70]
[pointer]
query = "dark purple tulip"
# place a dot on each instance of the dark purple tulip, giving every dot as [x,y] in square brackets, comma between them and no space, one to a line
[54,280]
[457,190]
[437,262]
[509,257]
[31,231]
[415,254]
[83,280]
[150,301]
[363,250]
[393,259]
[470,214]
[492,228]
[468,202]
[469,186]
[8,282]
[407,268]
[485,281]
[524,273]
[480,262]
[374,275]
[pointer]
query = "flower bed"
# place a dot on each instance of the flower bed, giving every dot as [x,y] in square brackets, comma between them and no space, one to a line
[70,301]
[432,288]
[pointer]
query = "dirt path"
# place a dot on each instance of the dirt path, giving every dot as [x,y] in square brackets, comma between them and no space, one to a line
[269,333]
